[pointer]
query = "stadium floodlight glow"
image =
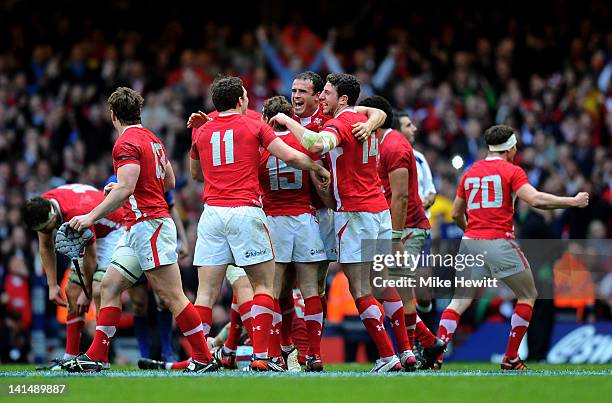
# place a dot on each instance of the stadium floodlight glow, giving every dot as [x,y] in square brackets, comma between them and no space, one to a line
[457,162]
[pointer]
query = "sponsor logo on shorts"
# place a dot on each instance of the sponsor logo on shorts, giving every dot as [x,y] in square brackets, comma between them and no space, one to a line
[254,253]
[316,251]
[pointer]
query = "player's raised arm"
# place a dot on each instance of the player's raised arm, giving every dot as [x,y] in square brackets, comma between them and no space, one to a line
[376,118]
[458,212]
[298,159]
[547,201]
[318,143]
[127,177]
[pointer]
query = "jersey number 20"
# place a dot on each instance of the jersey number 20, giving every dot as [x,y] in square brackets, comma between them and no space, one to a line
[485,185]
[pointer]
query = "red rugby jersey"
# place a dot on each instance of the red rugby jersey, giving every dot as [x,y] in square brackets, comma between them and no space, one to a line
[228,148]
[489,188]
[286,190]
[138,145]
[396,152]
[355,180]
[78,199]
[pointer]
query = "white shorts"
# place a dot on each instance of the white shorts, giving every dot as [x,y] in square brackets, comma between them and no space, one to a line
[233,273]
[501,258]
[328,232]
[362,235]
[147,245]
[105,247]
[296,239]
[232,235]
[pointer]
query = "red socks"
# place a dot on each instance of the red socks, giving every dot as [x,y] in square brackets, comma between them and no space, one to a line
[191,325]
[262,314]
[448,325]
[299,335]
[274,346]
[205,315]
[394,310]
[106,327]
[74,327]
[520,323]
[245,316]
[372,318]
[410,320]
[313,316]
[287,309]
[235,328]
[425,336]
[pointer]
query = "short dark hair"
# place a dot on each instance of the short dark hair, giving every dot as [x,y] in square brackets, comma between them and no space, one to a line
[498,134]
[397,115]
[275,105]
[345,84]
[225,92]
[126,104]
[378,102]
[317,80]
[36,212]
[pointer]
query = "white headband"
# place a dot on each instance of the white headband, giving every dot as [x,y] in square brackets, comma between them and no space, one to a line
[505,146]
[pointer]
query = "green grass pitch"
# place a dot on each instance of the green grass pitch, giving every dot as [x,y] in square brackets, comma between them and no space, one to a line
[478,382]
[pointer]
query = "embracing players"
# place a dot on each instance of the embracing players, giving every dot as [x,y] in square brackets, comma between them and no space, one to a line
[233,228]
[486,194]
[362,212]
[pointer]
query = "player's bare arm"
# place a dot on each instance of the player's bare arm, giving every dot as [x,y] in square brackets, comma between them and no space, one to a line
[323,191]
[458,212]
[298,159]
[318,143]
[363,130]
[547,201]
[398,180]
[46,245]
[181,233]
[127,177]
[89,268]
[169,178]
[195,167]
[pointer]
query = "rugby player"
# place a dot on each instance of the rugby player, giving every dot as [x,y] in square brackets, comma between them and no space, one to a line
[233,227]
[144,174]
[45,214]
[397,171]
[295,235]
[484,209]
[362,211]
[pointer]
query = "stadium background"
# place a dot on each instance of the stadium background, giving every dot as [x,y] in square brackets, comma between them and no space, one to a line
[543,68]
